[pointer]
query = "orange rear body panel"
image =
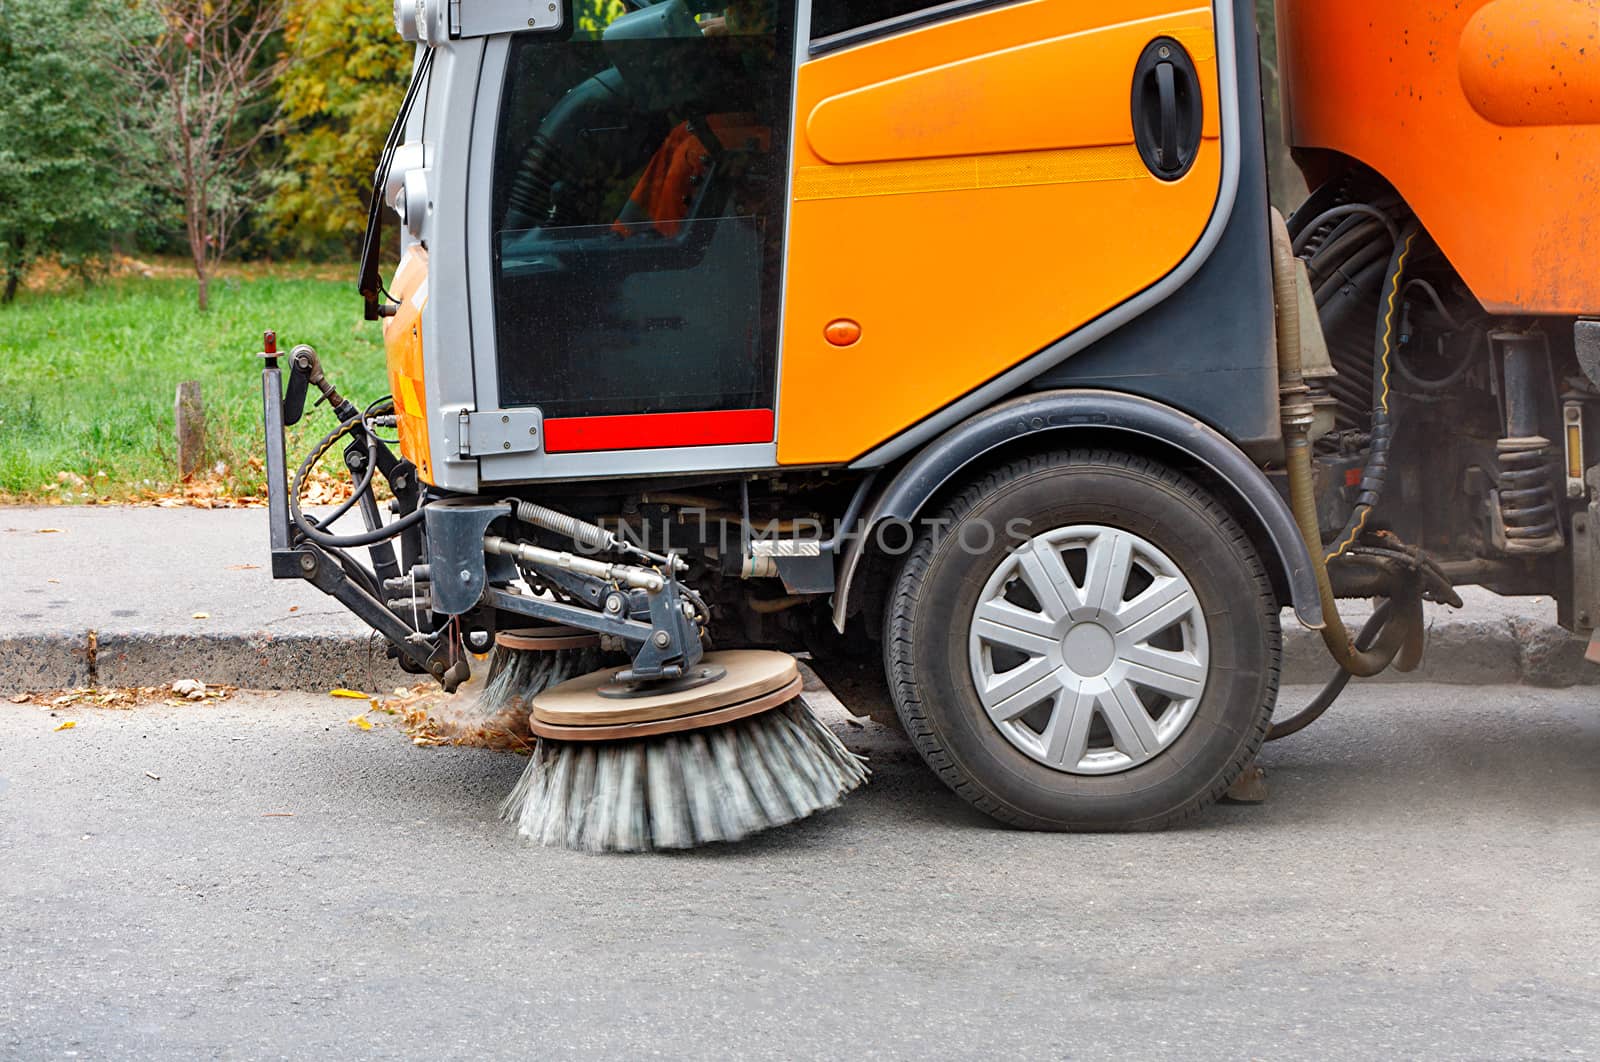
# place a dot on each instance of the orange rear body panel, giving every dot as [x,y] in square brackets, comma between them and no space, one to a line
[402,343]
[1483,115]
[967,194]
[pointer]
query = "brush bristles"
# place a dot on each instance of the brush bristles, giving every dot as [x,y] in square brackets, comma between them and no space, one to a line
[516,675]
[681,790]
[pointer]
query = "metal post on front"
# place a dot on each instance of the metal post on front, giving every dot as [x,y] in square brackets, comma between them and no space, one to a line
[277,463]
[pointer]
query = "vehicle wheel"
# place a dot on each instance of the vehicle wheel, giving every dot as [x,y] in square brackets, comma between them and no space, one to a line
[1084,640]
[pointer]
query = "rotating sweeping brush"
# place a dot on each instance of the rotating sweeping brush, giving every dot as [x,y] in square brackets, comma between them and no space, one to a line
[529,661]
[725,755]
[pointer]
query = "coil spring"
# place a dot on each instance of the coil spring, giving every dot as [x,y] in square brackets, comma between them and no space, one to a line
[580,531]
[1527,498]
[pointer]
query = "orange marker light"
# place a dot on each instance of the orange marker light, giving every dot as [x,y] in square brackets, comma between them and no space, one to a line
[842,332]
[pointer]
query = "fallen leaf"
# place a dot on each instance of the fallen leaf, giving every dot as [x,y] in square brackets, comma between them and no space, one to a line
[188,687]
[294,608]
[68,724]
[360,721]
[20,698]
[352,694]
[52,580]
[48,531]
[201,615]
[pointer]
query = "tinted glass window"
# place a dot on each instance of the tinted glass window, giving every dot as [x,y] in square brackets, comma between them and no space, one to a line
[835,16]
[638,209]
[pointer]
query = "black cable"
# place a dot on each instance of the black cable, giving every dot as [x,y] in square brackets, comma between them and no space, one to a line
[1450,379]
[310,528]
[1438,303]
[316,455]
[1335,685]
[369,473]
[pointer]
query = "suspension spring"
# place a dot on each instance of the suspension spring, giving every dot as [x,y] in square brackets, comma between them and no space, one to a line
[1527,494]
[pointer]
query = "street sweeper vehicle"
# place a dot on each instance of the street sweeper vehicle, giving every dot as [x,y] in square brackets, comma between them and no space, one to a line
[959,335]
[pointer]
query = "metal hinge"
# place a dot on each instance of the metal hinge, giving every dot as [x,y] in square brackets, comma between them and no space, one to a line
[481,18]
[499,431]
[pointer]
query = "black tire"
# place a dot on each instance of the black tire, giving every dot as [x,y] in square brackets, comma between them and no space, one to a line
[929,617]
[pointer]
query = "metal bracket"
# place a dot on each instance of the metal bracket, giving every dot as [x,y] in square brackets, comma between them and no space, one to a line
[499,431]
[455,551]
[481,18]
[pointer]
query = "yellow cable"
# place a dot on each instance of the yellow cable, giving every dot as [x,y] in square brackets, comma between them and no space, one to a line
[1354,533]
[1388,320]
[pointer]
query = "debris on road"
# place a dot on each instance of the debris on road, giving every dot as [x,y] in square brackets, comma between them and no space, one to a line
[192,691]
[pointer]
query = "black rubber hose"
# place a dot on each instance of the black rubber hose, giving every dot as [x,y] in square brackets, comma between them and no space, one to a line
[1338,212]
[365,538]
[1350,270]
[309,528]
[369,472]
[1377,468]
[1449,379]
[1335,685]
[1341,246]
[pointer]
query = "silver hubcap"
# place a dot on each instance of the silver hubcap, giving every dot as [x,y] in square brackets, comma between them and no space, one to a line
[1088,649]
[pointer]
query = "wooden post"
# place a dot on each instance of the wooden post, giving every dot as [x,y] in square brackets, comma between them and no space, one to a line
[189,414]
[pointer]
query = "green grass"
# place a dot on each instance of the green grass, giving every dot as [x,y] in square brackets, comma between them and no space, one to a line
[87,377]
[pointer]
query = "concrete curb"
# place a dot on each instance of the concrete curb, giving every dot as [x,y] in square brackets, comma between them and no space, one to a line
[303,662]
[1492,651]
[140,597]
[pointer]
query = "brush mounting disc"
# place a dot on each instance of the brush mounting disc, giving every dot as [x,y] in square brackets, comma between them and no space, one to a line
[754,681]
[545,639]
[701,674]
[629,731]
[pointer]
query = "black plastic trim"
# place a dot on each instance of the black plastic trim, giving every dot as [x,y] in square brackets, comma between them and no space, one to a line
[1103,413]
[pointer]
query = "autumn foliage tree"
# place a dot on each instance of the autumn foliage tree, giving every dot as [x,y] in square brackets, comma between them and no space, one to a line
[345,76]
[201,74]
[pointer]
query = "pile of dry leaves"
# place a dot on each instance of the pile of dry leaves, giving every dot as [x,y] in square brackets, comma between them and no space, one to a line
[220,486]
[181,693]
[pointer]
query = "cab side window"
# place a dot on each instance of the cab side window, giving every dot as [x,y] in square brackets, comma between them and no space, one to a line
[830,17]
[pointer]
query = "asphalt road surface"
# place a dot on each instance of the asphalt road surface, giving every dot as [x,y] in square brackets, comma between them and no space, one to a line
[1421,883]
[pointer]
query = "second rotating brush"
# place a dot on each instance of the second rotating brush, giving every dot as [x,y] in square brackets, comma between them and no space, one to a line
[530,660]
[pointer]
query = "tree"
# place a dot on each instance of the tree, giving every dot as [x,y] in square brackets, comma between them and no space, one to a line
[346,75]
[347,71]
[203,71]
[61,193]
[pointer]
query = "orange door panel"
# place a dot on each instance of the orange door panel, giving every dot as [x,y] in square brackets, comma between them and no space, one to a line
[966,194]
[1484,116]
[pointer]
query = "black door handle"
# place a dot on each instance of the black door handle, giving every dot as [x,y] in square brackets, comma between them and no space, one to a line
[1167,101]
[1166,109]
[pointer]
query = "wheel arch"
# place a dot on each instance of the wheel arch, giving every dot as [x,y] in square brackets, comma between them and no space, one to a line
[1092,417]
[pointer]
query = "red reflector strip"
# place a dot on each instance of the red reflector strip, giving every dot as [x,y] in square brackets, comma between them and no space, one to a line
[645,431]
